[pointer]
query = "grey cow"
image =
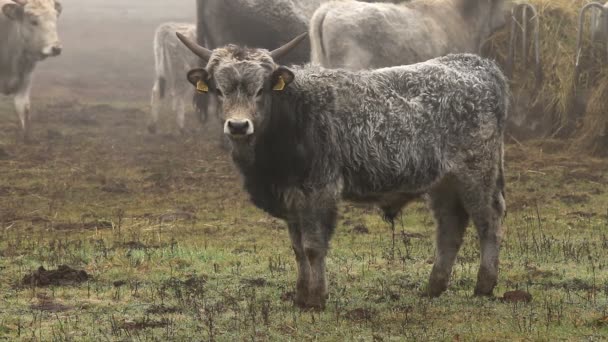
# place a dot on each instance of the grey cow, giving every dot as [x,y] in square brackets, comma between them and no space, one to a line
[28,34]
[304,137]
[172,61]
[356,35]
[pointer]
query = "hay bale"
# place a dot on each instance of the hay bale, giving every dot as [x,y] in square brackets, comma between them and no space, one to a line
[553,108]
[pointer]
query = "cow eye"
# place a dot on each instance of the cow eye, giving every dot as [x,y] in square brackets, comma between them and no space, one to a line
[260,92]
[219,92]
[34,22]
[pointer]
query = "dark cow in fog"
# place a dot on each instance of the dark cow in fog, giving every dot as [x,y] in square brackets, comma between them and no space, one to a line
[28,34]
[304,137]
[261,23]
[356,35]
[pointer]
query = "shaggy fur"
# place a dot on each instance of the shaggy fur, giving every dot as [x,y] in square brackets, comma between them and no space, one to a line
[356,35]
[22,45]
[172,61]
[385,136]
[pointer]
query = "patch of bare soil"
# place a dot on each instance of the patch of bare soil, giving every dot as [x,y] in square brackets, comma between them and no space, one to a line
[360,314]
[63,275]
[517,296]
[48,304]
[255,282]
[100,224]
[360,229]
[144,323]
[162,309]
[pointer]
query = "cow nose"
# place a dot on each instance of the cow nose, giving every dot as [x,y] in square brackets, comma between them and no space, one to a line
[239,127]
[56,50]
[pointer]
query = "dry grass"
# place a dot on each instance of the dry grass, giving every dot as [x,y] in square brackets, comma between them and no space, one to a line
[557,107]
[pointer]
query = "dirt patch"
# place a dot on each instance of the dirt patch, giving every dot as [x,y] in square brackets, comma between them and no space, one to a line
[101,224]
[574,199]
[288,296]
[115,187]
[48,304]
[517,296]
[144,324]
[63,275]
[360,229]
[360,314]
[162,309]
[177,215]
[254,282]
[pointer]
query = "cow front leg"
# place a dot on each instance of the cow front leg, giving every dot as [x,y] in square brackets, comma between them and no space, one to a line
[22,106]
[303,264]
[316,233]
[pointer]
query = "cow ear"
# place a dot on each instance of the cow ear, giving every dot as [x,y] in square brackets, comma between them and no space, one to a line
[199,78]
[281,78]
[58,7]
[13,11]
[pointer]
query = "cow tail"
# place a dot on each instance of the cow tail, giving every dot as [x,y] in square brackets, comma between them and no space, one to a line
[319,53]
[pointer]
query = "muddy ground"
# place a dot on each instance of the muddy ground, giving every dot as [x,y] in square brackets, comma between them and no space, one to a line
[172,249]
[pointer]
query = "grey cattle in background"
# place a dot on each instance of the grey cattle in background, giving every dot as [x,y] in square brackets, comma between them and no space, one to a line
[260,23]
[172,62]
[305,137]
[28,34]
[356,35]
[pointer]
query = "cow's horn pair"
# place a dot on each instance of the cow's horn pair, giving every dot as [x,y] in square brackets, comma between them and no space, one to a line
[20,2]
[205,53]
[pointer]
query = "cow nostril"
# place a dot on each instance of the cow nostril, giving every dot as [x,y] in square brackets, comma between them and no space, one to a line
[56,50]
[238,127]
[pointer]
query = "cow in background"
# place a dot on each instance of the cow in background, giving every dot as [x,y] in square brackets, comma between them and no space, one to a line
[28,34]
[357,35]
[172,61]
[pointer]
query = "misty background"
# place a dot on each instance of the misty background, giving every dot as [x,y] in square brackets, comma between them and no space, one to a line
[108,52]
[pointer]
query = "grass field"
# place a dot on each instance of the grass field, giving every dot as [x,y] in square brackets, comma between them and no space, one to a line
[173,250]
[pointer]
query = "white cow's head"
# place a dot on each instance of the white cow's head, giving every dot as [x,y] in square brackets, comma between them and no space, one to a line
[37,20]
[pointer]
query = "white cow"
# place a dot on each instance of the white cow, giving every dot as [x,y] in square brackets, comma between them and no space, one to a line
[28,34]
[173,61]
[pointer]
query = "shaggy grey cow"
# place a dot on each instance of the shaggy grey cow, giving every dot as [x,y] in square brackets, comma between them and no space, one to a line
[28,34]
[172,61]
[357,35]
[304,137]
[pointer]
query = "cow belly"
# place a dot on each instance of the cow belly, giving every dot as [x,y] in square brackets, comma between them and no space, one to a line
[9,86]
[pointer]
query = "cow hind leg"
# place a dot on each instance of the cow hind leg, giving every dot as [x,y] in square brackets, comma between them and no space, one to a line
[452,220]
[486,206]
[155,103]
[181,115]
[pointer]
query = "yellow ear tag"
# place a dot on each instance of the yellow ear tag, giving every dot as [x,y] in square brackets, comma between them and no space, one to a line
[202,87]
[280,84]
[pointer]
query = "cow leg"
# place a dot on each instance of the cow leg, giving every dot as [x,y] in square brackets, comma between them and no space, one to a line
[155,104]
[303,266]
[452,221]
[486,206]
[317,229]
[22,106]
[181,115]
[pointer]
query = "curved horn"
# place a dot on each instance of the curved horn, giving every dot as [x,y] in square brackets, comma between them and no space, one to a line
[198,50]
[20,2]
[285,49]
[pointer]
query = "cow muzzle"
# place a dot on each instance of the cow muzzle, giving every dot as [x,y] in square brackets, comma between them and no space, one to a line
[238,128]
[52,51]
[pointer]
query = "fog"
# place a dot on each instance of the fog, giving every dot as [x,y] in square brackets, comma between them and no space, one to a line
[107,52]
